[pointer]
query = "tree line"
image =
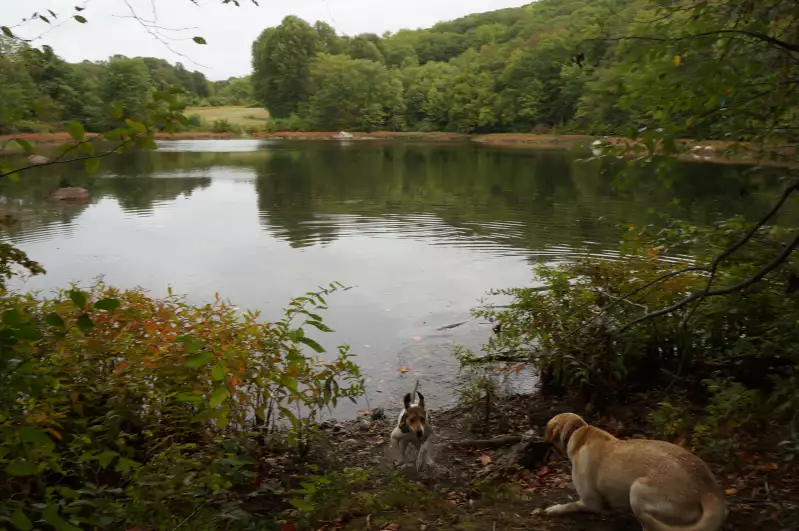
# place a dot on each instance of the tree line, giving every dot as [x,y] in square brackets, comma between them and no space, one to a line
[40,91]
[572,65]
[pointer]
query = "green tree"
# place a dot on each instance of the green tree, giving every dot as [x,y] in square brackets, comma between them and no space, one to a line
[365,47]
[354,94]
[127,83]
[282,58]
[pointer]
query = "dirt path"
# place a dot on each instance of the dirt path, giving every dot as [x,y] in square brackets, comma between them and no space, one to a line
[464,492]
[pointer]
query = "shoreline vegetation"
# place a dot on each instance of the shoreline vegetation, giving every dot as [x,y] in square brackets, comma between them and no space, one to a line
[119,410]
[713,151]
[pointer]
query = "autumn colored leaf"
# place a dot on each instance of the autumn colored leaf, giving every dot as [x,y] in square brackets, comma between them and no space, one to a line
[485,459]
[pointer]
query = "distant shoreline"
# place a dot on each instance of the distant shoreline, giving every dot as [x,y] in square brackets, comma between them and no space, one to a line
[710,150]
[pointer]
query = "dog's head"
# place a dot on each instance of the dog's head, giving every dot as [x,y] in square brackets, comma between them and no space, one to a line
[560,429]
[415,415]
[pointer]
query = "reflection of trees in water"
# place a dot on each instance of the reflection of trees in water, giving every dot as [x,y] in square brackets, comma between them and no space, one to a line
[547,197]
[520,199]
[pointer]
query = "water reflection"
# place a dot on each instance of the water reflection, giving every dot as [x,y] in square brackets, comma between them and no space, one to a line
[422,231]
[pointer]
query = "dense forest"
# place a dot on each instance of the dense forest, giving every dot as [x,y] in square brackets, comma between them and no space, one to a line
[573,65]
[39,91]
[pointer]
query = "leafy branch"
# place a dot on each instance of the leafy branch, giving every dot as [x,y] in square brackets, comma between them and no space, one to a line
[713,268]
[61,160]
[753,34]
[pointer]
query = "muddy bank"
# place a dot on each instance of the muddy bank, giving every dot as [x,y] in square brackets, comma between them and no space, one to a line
[58,138]
[361,136]
[472,487]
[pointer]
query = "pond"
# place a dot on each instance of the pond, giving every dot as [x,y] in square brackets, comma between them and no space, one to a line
[419,231]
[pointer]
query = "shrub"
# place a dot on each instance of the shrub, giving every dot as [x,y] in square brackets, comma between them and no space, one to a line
[737,353]
[292,123]
[120,410]
[195,121]
[222,126]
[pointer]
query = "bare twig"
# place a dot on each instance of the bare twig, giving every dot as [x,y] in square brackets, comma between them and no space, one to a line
[501,440]
[192,515]
[646,286]
[762,272]
[60,159]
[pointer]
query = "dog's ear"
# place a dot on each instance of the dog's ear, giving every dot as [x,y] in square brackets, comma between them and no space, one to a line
[421,398]
[552,434]
[407,401]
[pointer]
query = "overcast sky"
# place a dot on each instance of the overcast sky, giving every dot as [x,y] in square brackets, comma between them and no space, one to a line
[229,30]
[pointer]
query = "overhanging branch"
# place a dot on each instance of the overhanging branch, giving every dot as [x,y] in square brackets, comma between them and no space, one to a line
[752,34]
[762,272]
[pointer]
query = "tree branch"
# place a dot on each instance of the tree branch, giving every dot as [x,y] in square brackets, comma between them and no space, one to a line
[60,159]
[762,272]
[635,291]
[754,34]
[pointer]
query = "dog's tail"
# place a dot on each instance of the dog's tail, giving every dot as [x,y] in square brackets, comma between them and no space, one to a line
[714,512]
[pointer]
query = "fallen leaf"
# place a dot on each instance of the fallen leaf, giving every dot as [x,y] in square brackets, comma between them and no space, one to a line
[403,370]
[288,527]
[392,527]
[543,471]
[730,492]
[485,459]
[416,338]
[450,502]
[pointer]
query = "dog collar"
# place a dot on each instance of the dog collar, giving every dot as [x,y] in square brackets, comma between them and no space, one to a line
[568,437]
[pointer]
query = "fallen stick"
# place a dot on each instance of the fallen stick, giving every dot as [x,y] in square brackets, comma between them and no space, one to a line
[496,442]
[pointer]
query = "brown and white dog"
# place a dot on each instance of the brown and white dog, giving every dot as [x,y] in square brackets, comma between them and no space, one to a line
[413,428]
[667,487]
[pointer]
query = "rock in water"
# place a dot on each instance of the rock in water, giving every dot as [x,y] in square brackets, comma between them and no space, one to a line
[38,159]
[72,194]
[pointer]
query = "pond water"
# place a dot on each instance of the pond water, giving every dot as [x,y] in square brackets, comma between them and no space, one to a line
[420,231]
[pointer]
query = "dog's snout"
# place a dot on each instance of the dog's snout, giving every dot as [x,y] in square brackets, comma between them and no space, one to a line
[419,433]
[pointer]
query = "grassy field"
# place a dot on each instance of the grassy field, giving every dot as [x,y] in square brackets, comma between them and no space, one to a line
[241,116]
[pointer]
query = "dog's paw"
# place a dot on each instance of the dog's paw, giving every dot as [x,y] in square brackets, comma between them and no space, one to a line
[557,509]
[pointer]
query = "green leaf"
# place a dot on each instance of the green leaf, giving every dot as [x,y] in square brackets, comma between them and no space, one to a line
[124,464]
[12,317]
[78,299]
[199,40]
[21,521]
[76,131]
[218,372]
[187,397]
[199,359]
[88,148]
[80,19]
[26,146]
[20,467]
[85,323]
[218,397]
[311,343]
[116,111]
[7,32]
[51,516]
[53,319]
[44,18]
[107,304]
[190,344]
[51,13]
[136,127]
[36,437]
[301,504]
[29,332]
[79,9]
[91,165]
[106,457]
[320,326]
